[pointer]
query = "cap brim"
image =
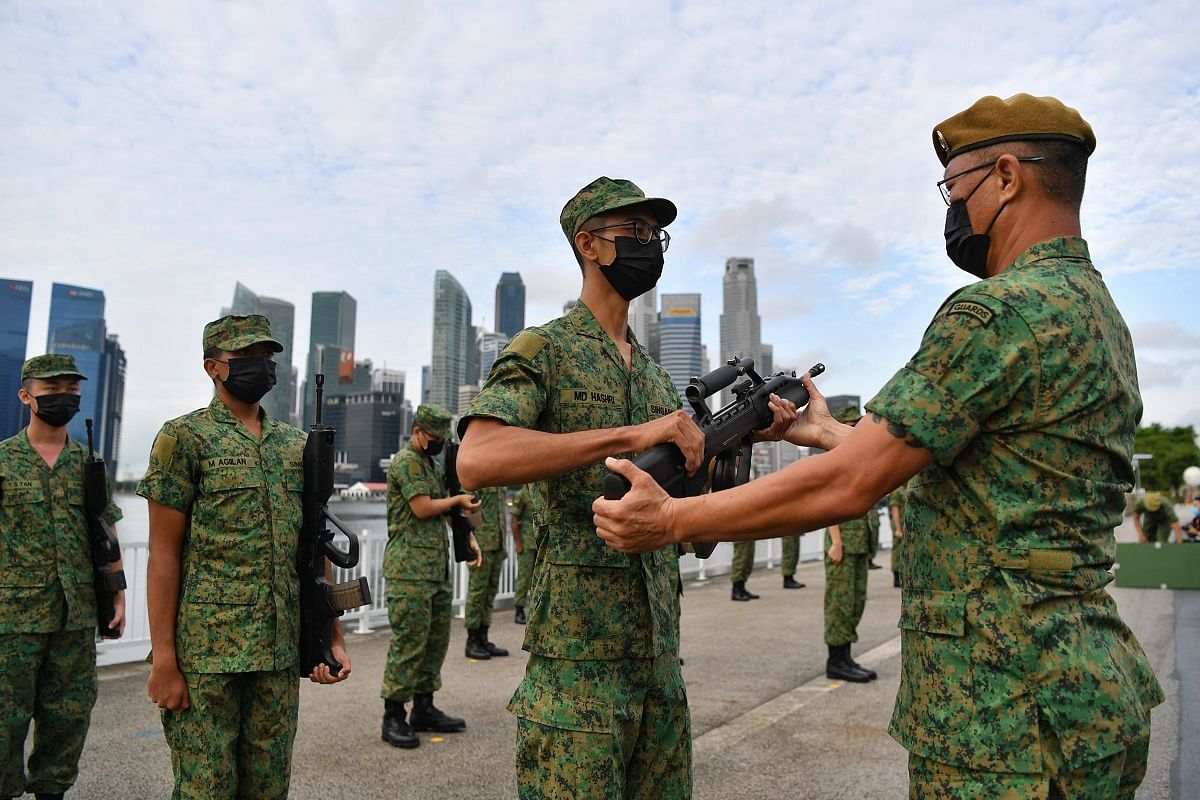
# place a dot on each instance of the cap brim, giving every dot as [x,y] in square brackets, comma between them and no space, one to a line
[242,342]
[47,376]
[663,209]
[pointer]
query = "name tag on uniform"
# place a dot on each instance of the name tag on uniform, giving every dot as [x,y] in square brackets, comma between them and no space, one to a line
[657,411]
[587,397]
[225,462]
[18,485]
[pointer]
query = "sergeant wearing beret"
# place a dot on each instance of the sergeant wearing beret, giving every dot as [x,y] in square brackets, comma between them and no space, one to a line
[224,487]
[416,566]
[47,602]
[1018,410]
[602,707]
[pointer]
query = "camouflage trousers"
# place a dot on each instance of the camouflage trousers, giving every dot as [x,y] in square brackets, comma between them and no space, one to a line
[49,678]
[524,571]
[873,540]
[1116,777]
[845,597]
[235,738]
[1157,531]
[603,730]
[419,612]
[743,561]
[482,584]
[897,555]
[791,556]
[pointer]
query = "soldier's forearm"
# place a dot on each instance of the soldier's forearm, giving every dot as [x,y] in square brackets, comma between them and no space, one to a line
[495,454]
[162,604]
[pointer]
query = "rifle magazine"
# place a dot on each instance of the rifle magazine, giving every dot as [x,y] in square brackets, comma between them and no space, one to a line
[351,594]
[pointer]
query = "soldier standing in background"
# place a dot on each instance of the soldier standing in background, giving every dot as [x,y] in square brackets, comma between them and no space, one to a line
[484,580]
[789,562]
[224,487]
[739,571]
[524,534]
[896,514]
[47,602]
[416,566]
[846,554]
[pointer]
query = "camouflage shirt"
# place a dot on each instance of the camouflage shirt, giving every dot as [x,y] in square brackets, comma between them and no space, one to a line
[1024,389]
[490,536]
[1157,524]
[45,554]
[522,511]
[587,601]
[239,605]
[417,549]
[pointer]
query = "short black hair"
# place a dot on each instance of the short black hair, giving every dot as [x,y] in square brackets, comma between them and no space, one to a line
[1063,173]
[26,383]
[212,352]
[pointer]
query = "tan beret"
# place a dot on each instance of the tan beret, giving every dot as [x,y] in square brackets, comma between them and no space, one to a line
[1021,117]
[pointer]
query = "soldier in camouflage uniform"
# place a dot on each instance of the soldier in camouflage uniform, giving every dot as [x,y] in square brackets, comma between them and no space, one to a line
[224,487]
[739,571]
[789,561]
[416,566]
[484,580]
[602,711]
[525,544]
[1018,676]
[1154,518]
[847,548]
[47,603]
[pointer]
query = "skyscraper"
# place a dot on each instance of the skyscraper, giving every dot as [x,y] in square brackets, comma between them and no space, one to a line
[14,338]
[741,328]
[77,327]
[490,347]
[280,402]
[330,346]
[510,304]
[643,321]
[455,351]
[679,338]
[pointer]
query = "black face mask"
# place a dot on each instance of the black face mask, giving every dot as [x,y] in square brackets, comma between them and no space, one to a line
[250,378]
[636,268]
[967,249]
[57,410]
[434,447]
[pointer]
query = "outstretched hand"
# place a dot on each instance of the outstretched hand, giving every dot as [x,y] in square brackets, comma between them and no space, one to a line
[640,521]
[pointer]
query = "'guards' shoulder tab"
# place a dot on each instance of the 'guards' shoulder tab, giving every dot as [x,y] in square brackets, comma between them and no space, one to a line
[527,344]
[971,308]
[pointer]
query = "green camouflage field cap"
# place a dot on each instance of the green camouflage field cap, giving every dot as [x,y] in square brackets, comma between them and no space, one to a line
[849,414]
[606,194]
[434,419]
[1021,117]
[236,332]
[51,365]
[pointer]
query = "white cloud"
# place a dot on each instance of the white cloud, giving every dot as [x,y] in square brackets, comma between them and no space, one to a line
[162,151]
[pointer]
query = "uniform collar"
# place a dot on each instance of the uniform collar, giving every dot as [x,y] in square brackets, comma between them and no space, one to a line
[221,413]
[581,320]
[1058,247]
[23,441]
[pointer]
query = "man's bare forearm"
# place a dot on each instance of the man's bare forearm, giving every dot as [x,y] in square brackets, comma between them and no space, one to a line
[495,454]
[162,601]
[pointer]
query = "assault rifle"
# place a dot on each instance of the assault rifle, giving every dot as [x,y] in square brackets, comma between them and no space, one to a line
[106,581]
[460,520]
[728,433]
[321,602]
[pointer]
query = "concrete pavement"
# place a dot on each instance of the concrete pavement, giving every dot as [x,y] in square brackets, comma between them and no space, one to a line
[766,722]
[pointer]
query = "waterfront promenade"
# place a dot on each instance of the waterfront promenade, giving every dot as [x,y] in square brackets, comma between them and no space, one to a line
[767,723]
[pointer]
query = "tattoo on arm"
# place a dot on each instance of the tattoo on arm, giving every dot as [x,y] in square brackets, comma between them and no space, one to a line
[897,430]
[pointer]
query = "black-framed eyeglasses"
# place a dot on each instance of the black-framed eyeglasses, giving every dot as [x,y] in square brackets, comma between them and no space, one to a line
[644,232]
[945,190]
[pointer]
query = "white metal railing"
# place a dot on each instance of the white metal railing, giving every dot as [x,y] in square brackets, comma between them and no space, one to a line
[135,644]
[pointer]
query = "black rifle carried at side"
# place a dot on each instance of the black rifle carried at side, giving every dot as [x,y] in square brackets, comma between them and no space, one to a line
[460,520]
[321,602]
[106,551]
[728,433]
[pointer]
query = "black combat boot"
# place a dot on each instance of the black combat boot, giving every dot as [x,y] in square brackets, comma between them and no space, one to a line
[872,565]
[494,649]
[475,648]
[519,615]
[840,666]
[870,673]
[739,593]
[49,796]
[791,583]
[396,730]
[426,717]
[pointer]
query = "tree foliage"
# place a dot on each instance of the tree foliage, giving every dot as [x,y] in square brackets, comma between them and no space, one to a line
[1174,450]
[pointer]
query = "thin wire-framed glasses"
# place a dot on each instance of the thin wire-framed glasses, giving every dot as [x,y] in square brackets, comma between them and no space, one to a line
[644,232]
[945,190]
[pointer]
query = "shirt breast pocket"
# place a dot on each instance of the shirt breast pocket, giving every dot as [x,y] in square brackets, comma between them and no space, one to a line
[232,501]
[24,559]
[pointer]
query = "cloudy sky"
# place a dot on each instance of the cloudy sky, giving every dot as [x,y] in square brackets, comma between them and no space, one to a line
[162,151]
